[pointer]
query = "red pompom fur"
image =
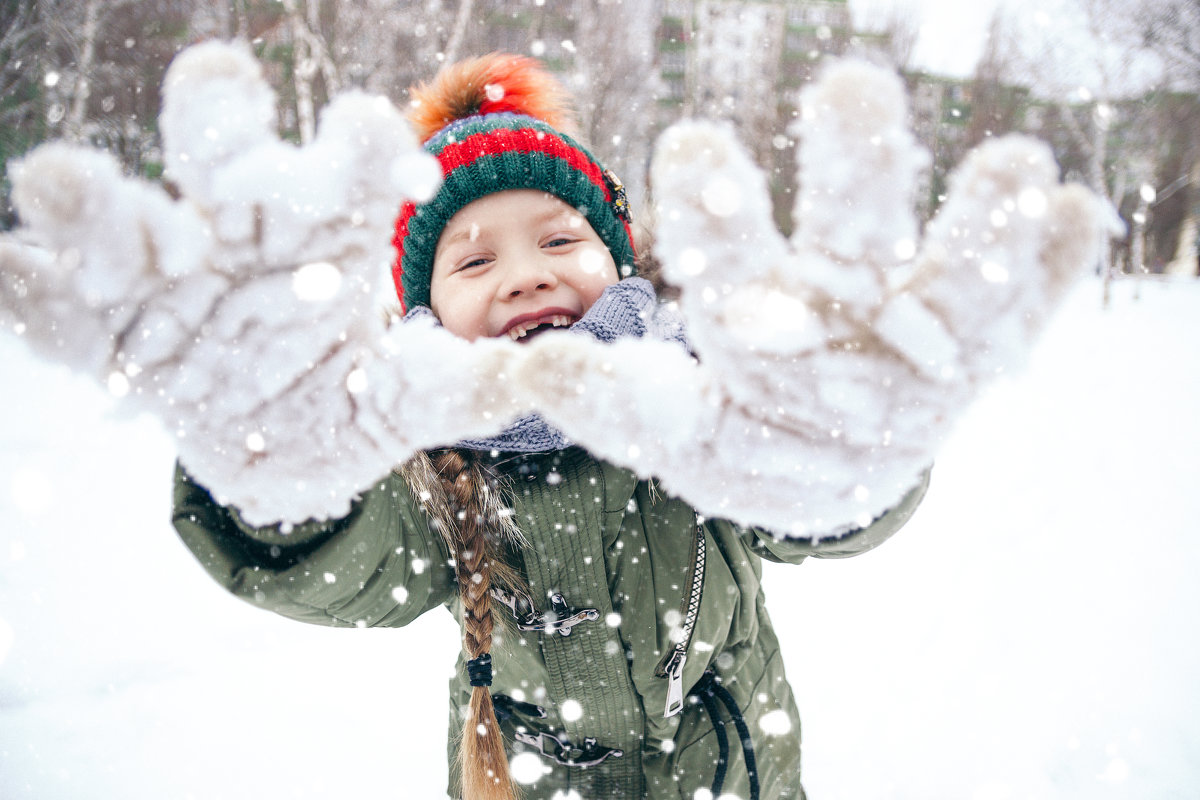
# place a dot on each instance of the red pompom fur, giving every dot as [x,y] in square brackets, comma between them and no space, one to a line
[487,85]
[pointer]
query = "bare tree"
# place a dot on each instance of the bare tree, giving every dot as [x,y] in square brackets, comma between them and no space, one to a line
[458,32]
[1170,224]
[1172,28]
[603,50]
[311,58]
[21,115]
[85,65]
[21,38]
[614,78]
[1087,59]
[87,72]
[890,37]
[998,105]
[315,48]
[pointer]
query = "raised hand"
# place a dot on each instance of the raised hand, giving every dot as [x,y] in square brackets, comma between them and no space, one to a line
[849,351]
[245,315]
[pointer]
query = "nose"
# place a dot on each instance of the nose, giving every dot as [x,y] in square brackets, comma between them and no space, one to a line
[527,277]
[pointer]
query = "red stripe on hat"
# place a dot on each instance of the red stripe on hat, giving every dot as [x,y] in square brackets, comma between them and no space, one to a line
[502,140]
[406,214]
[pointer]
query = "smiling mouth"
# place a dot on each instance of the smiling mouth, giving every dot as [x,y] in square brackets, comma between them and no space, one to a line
[526,330]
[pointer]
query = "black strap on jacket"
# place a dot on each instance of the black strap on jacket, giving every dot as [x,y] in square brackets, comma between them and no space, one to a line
[709,690]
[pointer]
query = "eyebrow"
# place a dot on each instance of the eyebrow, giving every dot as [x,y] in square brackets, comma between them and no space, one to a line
[555,213]
[463,234]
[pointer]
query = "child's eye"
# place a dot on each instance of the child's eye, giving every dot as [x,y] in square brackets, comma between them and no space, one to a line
[470,263]
[559,241]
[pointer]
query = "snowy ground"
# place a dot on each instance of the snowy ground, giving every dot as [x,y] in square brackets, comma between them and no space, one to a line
[1027,636]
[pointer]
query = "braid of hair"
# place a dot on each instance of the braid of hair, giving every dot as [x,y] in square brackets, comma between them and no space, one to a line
[483,762]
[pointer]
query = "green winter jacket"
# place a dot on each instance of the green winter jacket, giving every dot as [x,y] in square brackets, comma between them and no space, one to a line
[606,551]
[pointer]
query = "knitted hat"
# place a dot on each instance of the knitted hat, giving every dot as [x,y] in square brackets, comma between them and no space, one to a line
[494,124]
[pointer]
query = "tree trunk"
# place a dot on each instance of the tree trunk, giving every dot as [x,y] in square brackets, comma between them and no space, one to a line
[303,70]
[458,32]
[1187,251]
[74,124]
[1137,243]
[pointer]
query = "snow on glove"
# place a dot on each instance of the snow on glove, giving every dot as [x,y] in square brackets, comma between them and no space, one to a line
[843,355]
[831,365]
[243,315]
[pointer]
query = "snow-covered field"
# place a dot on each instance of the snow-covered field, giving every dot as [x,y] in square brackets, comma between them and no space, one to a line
[1029,635]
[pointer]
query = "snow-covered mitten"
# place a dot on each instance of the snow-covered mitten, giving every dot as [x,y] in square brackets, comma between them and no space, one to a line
[244,314]
[842,356]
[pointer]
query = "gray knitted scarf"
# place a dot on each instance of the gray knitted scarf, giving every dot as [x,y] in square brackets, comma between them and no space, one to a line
[626,308]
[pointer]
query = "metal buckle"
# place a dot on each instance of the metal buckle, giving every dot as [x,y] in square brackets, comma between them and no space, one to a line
[519,605]
[561,618]
[563,752]
[509,709]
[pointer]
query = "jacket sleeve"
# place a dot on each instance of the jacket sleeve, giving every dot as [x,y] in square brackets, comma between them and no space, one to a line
[380,565]
[851,543]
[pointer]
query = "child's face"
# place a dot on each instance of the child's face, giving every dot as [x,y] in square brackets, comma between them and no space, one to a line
[516,263]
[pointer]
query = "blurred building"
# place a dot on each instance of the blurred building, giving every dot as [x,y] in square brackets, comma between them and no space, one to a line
[745,61]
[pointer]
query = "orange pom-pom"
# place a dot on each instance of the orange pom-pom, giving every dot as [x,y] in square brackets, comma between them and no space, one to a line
[490,84]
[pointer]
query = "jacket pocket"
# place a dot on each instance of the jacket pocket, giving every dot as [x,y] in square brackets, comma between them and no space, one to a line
[768,710]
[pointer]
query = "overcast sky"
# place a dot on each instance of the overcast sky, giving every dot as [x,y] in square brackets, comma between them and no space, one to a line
[952,31]
[1052,32]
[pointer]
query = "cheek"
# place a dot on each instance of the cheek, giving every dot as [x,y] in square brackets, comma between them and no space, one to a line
[458,311]
[595,282]
[595,264]
[462,327]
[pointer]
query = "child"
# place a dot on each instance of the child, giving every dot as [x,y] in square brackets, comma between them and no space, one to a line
[613,639]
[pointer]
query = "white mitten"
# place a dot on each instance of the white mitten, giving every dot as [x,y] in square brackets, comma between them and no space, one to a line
[844,355]
[245,315]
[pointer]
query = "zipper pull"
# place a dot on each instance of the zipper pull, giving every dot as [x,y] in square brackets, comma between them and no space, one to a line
[674,676]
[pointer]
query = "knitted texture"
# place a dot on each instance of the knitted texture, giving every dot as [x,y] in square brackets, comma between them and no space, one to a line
[489,153]
[627,308]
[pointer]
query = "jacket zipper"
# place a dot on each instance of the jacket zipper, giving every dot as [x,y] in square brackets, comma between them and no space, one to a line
[671,666]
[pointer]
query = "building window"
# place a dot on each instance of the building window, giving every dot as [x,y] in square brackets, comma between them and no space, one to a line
[673,61]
